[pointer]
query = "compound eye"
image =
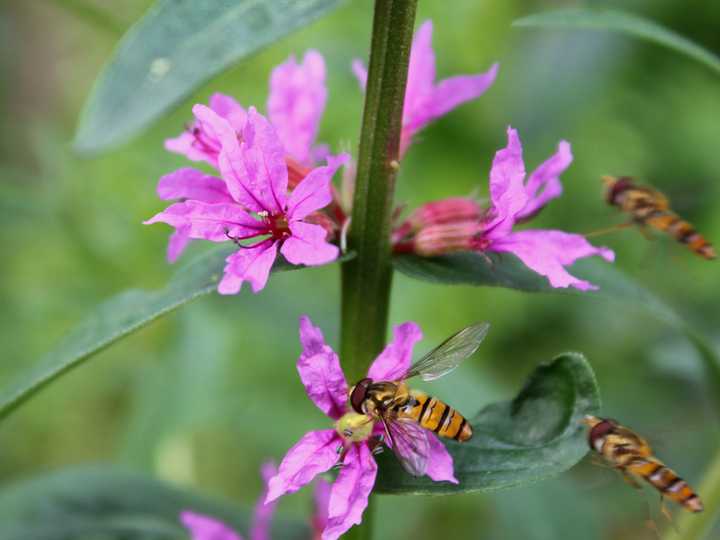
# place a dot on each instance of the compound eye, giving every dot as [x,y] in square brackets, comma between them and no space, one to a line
[358,395]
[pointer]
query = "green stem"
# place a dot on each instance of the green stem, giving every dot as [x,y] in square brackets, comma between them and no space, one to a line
[699,526]
[367,279]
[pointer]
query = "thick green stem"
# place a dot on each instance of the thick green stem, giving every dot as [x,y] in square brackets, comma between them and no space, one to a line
[366,280]
[699,526]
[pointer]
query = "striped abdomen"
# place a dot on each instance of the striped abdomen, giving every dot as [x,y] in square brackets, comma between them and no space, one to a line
[681,230]
[666,481]
[438,417]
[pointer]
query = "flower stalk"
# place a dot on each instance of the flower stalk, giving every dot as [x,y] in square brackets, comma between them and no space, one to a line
[367,279]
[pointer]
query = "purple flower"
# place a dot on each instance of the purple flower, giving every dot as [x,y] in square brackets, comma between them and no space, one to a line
[250,204]
[295,106]
[319,451]
[426,101]
[547,252]
[202,527]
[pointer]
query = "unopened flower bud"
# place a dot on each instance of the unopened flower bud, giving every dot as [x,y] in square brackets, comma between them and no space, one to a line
[448,238]
[296,172]
[451,210]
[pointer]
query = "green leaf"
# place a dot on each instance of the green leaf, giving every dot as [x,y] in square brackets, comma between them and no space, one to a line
[536,435]
[111,504]
[508,271]
[174,48]
[624,23]
[119,317]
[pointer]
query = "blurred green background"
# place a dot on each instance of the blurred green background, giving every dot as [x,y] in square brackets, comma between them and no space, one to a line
[203,396]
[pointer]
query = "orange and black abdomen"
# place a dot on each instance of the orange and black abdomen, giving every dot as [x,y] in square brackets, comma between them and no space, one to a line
[666,481]
[439,417]
[681,230]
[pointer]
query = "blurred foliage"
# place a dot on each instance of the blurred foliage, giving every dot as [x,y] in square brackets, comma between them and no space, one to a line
[204,396]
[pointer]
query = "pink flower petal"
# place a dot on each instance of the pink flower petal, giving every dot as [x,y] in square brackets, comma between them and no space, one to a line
[507,192]
[228,108]
[321,495]
[248,264]
[454,91]
[263,512]
[543,184]
[188,183]
[178,242]
[184,144]
[206,528]
[320,371]
[440,462]
[307,245]
[395,360]
[313,192]
[205,221]
[421,76]
[315,453]
[296,103]
[547,252]
[360,72]
[349,494]
[254,168]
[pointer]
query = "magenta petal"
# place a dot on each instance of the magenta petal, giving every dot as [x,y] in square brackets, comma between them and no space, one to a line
[507,192]
[184,144]
[544,184]
[395,360]
[454,91]
[421,75]
[254,168]
[321,495]
[229,109]
[315,453]
[360,72]
[248,264]
[313,192]
[320,371]
[212,222]
[307,245]
[263,512]
[296,103]
[206,528]
[178,242]
[440,462]
[349,494]
[547,252]
[188,183]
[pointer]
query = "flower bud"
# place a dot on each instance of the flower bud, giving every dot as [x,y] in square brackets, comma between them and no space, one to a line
[296,172]
[451,210]
[448,238]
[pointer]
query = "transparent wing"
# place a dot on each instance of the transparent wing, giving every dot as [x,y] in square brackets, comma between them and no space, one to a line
[448,355]
[410,444]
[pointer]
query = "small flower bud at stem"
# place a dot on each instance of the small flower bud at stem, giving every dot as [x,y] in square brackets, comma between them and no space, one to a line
[448,238]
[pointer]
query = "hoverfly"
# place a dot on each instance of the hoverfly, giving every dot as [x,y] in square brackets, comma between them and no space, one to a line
[647,206]
[632,456]
[407,415]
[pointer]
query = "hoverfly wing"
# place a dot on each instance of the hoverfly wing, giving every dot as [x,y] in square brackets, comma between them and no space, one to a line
[447,356]
[410,444]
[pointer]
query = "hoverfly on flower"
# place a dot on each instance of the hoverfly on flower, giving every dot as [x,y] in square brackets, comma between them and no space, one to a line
[407,415]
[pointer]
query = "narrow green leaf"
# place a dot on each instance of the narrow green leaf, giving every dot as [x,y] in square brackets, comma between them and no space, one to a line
[118,317]
[624,23]
[536,435]
[174,48]
[112,504]
[508,271]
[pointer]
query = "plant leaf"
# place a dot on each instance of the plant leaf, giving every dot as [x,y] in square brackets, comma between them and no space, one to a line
[121,316]
[508,271]
[173,49]
[624,23]
[536,435]
[112,504]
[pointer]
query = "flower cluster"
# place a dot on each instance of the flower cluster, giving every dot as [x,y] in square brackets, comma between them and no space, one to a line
[461,224]
[319,451]
[202,527]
